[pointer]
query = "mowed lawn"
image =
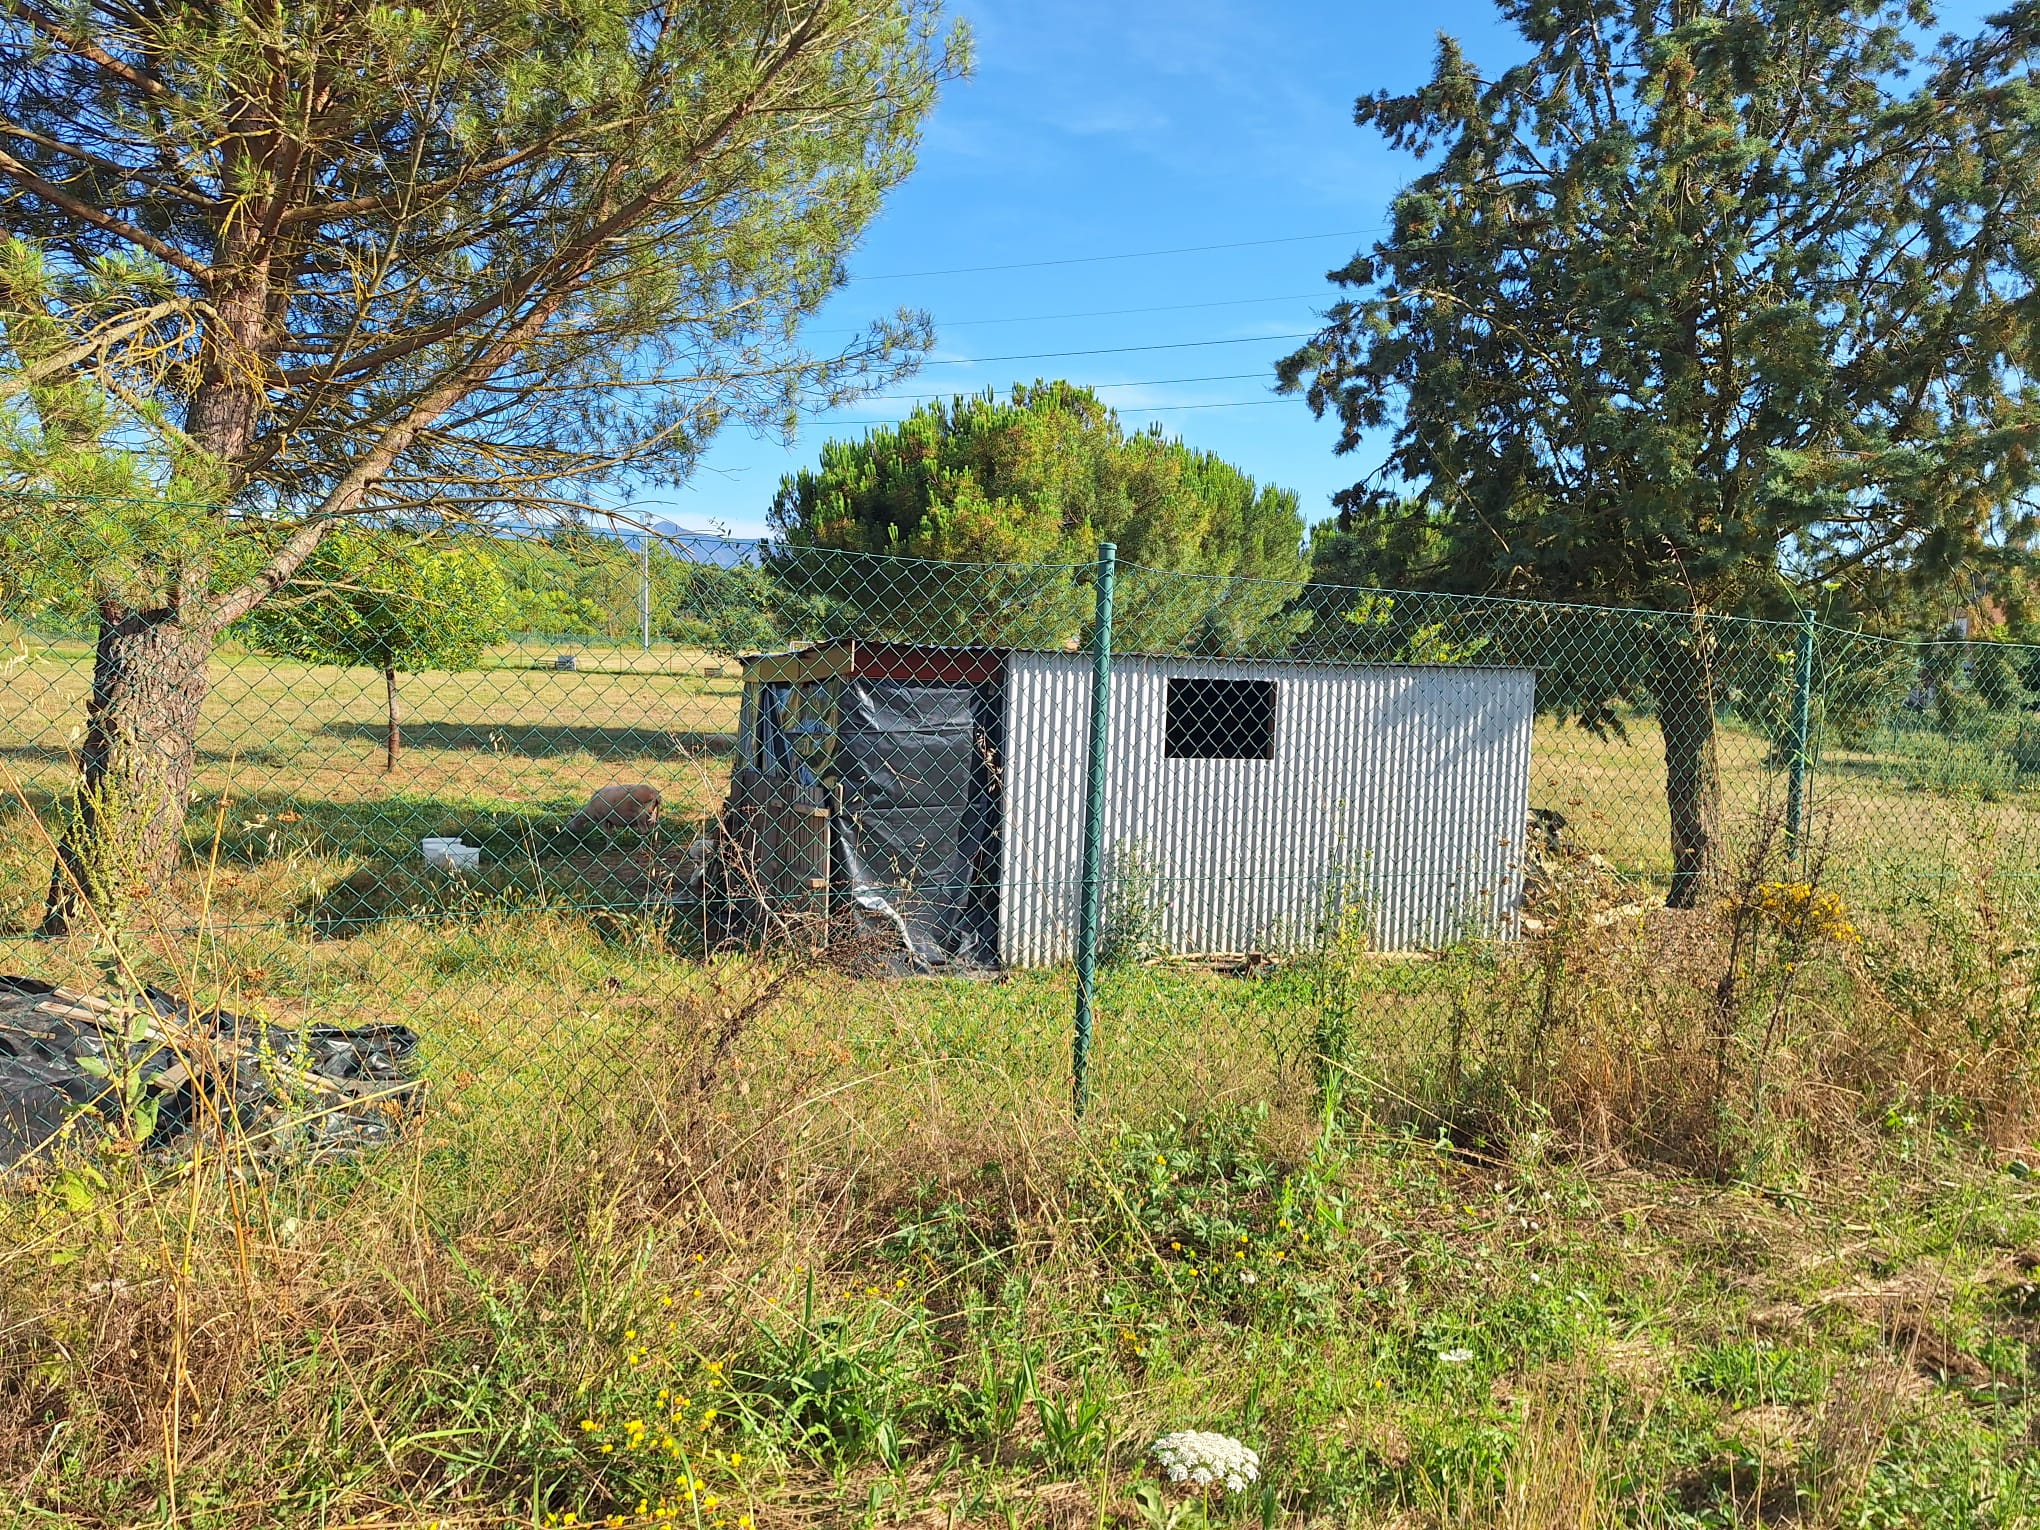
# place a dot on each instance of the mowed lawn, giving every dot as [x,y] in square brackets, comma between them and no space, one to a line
[295,752]
[515,732]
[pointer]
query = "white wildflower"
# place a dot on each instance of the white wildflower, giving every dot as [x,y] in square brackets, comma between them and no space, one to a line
[1199,1459]
[1455,1356]
[1249,1278]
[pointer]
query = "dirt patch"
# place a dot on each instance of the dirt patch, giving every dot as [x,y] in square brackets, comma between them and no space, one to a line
[1771,1433]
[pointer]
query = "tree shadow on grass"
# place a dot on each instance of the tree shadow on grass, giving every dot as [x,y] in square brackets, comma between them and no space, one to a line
[625,879]
[368,868]
[211,751]
[548,740]
[262,826]
[360,864]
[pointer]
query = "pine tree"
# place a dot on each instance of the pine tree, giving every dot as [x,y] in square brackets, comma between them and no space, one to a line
[1705,303]
[1039,479]
[457,261]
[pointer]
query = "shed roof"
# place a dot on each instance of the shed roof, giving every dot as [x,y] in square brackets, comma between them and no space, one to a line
[846,657]
[882,661]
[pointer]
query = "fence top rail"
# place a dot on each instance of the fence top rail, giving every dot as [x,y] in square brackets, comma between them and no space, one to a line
[844,657]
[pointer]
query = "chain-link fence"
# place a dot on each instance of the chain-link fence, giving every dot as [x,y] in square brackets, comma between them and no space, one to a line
[531,794]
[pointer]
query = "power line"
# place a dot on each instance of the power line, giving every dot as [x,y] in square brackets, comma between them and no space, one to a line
[1086,260]
[1242,403]
[1115,313]
[1107,313]
[1114,350]
[1151,382]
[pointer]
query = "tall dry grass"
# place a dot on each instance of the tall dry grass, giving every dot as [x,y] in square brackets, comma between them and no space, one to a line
[1775,1018]
[415,1336]
[418,1332]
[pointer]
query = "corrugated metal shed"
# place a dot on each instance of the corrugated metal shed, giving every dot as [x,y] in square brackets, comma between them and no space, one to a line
[1404,789]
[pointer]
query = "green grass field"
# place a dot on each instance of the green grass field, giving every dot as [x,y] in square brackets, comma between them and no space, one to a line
[308,879]
[519,743]
[1709,1219]
[865,1270]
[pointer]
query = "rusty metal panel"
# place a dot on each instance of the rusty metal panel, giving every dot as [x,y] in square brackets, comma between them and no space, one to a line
[1399,793]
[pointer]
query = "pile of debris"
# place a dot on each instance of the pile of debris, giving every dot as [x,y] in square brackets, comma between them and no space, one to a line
[74,1062]
[1563,882]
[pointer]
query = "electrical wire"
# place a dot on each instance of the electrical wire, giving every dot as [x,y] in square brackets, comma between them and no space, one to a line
[1242,403]
[1086,260]
[1113,350]
[1150,382]
[1106,313]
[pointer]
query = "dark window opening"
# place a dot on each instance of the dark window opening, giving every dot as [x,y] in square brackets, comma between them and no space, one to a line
[1220,719]
[794,731]
[771,750]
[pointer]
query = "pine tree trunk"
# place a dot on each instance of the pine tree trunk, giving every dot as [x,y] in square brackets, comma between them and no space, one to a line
[126,821]
[1684,696]
[125,827]
[394,741]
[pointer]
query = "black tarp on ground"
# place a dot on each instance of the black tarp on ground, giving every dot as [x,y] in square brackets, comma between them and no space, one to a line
[916,837]
[294,1092]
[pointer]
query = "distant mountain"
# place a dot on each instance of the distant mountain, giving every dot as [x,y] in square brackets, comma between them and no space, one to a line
[695,546]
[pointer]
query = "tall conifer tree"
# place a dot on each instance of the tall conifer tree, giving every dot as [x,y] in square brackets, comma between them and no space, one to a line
[1705,302]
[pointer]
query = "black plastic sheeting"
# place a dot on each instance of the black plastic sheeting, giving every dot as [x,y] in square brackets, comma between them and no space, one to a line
[292,1092]
[911,766]
[916,840]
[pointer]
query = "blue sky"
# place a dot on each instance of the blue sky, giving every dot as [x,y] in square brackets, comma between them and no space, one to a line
[1102,127]
[1131,125]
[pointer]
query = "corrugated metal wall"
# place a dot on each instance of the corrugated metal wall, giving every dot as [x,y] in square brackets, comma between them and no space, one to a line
[1404,789]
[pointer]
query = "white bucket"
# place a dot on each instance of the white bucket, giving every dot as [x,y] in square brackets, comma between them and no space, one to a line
[450,854]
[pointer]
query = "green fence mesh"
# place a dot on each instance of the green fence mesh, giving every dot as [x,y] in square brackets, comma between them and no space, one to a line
[526,790]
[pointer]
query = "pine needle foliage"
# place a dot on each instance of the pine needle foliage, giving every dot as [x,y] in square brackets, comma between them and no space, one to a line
[469,261]
[1701,307]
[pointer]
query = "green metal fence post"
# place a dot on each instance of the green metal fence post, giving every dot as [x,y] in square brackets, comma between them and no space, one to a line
[1801,761]
[1092,894]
